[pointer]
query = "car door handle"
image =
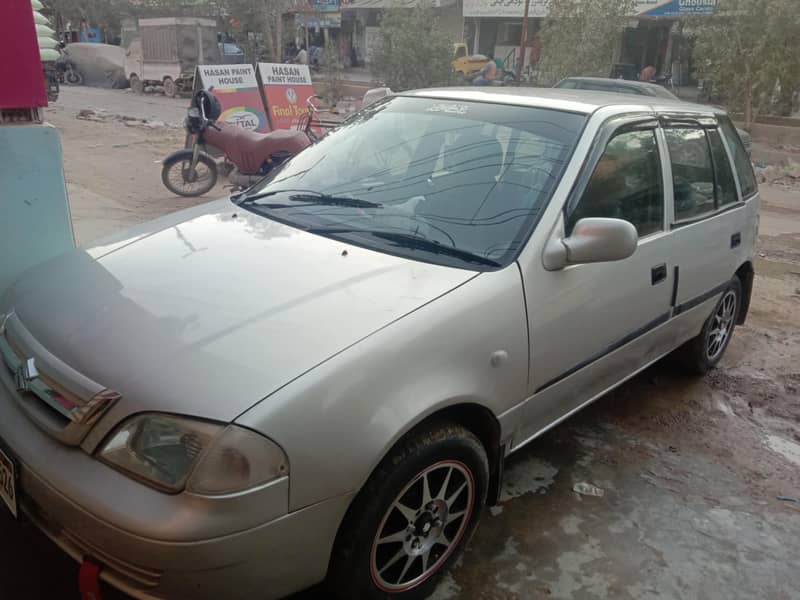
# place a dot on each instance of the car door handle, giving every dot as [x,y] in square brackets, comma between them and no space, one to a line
[658,274]
[736,239]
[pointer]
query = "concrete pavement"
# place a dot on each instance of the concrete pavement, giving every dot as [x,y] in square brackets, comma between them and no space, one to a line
[123,102]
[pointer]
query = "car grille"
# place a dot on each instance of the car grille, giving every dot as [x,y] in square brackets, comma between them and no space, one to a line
[60,400]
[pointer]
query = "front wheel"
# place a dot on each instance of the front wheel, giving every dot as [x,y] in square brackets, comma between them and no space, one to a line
[415,513]
[179,177]
[701,354]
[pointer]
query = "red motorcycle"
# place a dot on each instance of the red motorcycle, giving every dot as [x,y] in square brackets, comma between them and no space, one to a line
[248,155]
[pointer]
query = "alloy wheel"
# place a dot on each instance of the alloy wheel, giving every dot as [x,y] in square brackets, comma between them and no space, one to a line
[423,526]
[721,325]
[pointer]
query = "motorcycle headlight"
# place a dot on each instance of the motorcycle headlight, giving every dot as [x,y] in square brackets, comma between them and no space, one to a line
[175,453]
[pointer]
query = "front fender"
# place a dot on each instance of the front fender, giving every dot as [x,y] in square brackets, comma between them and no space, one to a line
[337,421]
[183,154]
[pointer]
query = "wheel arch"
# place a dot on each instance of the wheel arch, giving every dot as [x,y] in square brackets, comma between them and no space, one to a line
[746,274]
[475,418]
[484,425]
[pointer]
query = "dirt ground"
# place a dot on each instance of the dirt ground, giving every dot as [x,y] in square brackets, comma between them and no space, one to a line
[701,476]
[113,172]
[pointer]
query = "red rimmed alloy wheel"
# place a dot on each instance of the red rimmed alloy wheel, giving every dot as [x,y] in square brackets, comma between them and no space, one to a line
[415,513]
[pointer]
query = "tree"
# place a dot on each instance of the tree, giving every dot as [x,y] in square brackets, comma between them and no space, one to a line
[750,51]
[97,13]
[333,70]
[412,51]
[581,37]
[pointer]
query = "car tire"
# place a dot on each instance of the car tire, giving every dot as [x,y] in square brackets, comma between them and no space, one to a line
[702,353]
[394,544]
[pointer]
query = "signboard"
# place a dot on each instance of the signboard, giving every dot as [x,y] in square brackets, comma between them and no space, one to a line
[286,88]
[318,21]
[324,5]
[675,8]
[539,8]
[504,8]
[236,88]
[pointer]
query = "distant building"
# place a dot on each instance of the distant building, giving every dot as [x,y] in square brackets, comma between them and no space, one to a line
[653,36]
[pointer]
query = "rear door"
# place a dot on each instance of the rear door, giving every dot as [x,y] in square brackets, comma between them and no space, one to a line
[709,219]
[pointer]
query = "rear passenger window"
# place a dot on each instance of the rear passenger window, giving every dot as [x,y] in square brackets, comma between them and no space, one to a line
[726,186]
[744,168]
[626,184]
[692,172]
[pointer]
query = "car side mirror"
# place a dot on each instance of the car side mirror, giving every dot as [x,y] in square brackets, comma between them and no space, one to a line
[592,240]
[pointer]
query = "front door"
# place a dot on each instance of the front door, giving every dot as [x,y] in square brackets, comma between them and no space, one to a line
[591,325]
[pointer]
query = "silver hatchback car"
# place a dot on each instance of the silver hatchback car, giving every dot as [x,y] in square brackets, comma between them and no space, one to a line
[319,379]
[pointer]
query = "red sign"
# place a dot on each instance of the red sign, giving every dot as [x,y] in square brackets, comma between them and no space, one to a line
[236,88]
[287,89]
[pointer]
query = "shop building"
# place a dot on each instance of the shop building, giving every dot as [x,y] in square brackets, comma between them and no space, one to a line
[654,36]
[354,25]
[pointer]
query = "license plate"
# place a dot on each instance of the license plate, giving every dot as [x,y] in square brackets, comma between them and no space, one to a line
[8,482]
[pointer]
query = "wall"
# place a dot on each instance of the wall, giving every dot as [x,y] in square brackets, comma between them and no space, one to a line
[35,222]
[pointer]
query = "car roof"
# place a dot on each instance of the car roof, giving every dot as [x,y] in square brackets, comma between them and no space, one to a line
[580,101]
[645,87]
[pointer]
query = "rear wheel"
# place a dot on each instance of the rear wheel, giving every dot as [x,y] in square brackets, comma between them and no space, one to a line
[73,77]
[137,85]
[179,177]
[415,513]
[170,89]
[702,353]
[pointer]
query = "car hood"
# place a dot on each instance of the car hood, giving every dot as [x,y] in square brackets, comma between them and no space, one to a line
[209,311]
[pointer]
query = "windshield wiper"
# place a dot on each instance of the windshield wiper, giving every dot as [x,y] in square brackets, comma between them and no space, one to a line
[308,197]
[411,240]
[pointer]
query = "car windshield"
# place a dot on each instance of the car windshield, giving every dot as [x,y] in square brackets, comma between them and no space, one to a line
[451,182]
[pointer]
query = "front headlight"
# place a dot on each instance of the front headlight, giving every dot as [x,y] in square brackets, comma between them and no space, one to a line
[173,453]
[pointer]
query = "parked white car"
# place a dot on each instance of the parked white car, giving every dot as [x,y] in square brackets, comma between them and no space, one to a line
[321,377]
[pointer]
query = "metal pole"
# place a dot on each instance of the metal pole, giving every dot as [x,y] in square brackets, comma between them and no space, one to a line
[523,43]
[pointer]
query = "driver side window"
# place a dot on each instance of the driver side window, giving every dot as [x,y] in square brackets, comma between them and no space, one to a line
[626,184]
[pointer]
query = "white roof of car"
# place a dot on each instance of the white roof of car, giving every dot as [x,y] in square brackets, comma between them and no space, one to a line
[582,101]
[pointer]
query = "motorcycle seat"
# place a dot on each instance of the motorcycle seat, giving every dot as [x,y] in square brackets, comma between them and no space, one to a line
[248,150]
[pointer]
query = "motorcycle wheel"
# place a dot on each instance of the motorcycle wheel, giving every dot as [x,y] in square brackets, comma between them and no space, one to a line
[72,77]
[180,179]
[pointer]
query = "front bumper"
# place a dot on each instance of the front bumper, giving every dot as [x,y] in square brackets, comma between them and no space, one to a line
[154,545]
